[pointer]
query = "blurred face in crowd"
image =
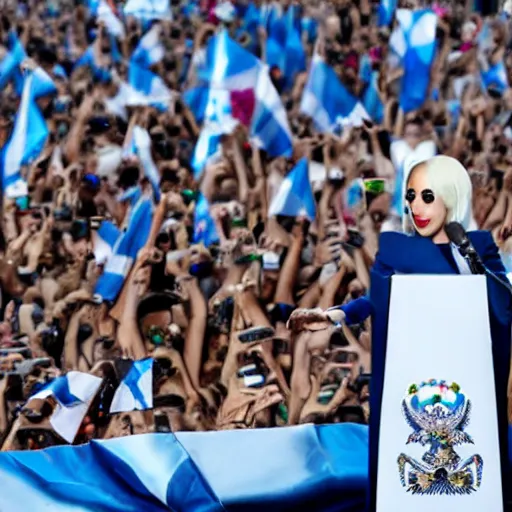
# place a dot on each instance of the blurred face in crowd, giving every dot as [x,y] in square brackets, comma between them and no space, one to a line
[412,134]
[427,210]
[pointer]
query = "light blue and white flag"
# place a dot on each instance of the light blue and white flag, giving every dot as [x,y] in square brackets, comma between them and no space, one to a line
[386,12]
[135,390]
[418,38]
[496,77]
[147,10]
[10,66]
[125,250]
[241,91]
[150,50]
[142,145]
[104,240]
[276,41]
[93,6]
[113,24]
[207,148]
[252,19]
[294,49]
[225,11]
[371,99]
[196,99]
[87,59]
[149,88]
[26,142]
[73,393]
[284,47]
[43,85]
[295,196]
[327,101]
[204,227]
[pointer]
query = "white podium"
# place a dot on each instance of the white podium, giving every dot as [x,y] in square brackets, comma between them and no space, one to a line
[438,441]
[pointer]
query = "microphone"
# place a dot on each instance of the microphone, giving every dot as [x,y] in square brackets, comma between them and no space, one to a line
[458,236]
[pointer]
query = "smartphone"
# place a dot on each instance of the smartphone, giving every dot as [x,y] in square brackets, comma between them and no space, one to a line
[368,123]
[162,423]
[355,239]
[256,334]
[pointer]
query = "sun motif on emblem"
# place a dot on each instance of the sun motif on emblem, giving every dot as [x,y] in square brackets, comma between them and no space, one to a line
[438,413]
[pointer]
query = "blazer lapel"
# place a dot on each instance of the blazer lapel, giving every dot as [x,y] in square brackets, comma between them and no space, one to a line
[422,256]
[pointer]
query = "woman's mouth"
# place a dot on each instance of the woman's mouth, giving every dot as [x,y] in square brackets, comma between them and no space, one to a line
[420,222]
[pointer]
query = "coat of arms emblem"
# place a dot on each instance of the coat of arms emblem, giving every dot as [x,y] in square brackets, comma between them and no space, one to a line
[439,413]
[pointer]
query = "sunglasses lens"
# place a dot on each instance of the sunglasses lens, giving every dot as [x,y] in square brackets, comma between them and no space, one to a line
[428,196]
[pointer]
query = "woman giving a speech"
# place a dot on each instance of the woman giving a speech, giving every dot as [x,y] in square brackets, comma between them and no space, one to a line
[437,191]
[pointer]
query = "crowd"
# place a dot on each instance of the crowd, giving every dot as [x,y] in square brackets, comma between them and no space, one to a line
[127,256]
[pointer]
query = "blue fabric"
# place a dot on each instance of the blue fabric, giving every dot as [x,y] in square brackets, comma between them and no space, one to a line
[204,226]
[295,196]
[128,474]
[404,254]
[325,99]
[128,245]
[313,468]
[418,59]
[196,99]
[133,377]
[357,311]
[386,12]
[61,392]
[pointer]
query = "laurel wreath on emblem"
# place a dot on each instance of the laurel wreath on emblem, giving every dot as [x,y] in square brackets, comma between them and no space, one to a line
[438,413]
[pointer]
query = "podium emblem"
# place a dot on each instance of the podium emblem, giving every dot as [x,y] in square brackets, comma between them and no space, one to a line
[438,413]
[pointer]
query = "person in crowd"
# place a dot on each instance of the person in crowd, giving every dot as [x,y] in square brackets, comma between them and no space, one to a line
[122,243]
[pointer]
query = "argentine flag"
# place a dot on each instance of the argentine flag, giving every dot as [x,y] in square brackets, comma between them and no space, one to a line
[206,148]
[135,391]
[386,12]
[147,10]
[252,98]
[73,393]
[371,99]
[196,99]
[204,226]
[43,85]
[149,88]
[10,64]
[294,49]
[416,41]
[27,140]
[106,15]
[295,196]
[125,250]
[327,101]
[103,241]
[496,76]
[142,146]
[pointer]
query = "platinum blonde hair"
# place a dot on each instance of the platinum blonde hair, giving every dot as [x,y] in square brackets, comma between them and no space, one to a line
[450,181]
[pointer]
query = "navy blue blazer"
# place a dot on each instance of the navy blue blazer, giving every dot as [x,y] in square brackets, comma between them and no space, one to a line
[399,253]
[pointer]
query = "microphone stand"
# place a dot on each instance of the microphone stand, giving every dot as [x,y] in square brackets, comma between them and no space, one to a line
[477,267]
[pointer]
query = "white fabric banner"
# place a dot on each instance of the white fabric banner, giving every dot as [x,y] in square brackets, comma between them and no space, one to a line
[438,446]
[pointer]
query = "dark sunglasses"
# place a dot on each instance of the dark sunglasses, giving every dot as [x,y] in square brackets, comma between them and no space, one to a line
[427,196]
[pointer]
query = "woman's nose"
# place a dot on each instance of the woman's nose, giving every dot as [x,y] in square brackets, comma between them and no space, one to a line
[417,207]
